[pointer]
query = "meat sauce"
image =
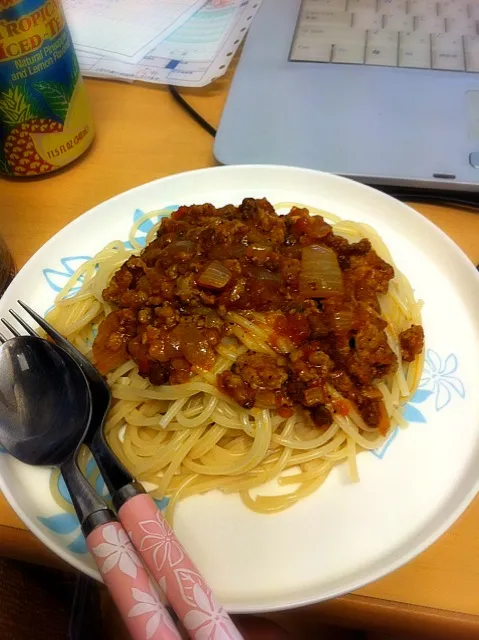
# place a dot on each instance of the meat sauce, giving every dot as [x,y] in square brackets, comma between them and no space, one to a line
[317,293]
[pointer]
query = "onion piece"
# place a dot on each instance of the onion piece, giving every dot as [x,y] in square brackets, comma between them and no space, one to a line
[215,276]
[320,275]
[343,320]
[265,275]
[313,396]
[319,228]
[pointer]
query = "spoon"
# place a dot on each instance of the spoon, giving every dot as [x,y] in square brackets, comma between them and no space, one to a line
[45,409]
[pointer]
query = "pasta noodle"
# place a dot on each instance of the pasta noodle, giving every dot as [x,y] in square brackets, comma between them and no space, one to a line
[191,438]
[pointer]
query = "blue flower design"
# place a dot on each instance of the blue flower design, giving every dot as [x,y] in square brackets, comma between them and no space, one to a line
[438,376]
[412,413]
[57,279]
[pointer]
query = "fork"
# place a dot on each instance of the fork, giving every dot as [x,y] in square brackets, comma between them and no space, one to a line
[168,562]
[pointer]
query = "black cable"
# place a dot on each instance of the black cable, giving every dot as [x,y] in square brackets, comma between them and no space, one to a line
[457,199]
[177,97]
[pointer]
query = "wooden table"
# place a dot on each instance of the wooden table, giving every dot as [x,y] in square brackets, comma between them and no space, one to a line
[142,135]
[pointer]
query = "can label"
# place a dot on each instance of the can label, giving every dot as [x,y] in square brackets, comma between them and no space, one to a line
[45,120]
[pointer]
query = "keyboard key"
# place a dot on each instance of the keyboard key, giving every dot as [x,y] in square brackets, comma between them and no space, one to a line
[330,33]
[362,5]
[312,51]
[423,8]
[429,24]
[367,20]
[471,47]
[447,52]
[333,18]
[397,7]
[332,5]
[461,26]
[453,9]
[398,22]
[351,52]
[414,50]
[382,48]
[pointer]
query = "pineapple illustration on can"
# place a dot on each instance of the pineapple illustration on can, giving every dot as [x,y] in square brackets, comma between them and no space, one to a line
[45,120]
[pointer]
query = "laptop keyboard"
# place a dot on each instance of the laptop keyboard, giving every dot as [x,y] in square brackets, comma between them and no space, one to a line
[421,34]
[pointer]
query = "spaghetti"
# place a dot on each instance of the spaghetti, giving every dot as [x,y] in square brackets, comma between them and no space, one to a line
[255,391]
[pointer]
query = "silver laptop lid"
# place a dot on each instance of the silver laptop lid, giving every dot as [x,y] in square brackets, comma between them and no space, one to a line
[385,92]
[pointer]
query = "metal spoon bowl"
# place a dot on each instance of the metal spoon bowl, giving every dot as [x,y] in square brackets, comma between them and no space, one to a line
[44,413]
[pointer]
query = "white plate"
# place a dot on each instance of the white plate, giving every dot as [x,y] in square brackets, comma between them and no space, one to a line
[345,535]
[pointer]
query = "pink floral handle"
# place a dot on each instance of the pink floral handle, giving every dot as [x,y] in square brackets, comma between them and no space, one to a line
[127,580]
[179,579]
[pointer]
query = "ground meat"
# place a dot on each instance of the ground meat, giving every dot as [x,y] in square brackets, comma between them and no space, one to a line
[342,382]
[306,372]
[321,416]
[186,290]
[114,334]
[412,342]
[372,412]
[261,371]
[372,357]
[344,250]
[171,318]
[360,248]
[318,325]
[295,390]
[264,216]
[290,268]
[234,385]
[180,371]
[369,275]
[167,315]
[123,289]
[159,372]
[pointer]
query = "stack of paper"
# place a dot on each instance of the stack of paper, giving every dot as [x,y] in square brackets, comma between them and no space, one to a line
[181,42]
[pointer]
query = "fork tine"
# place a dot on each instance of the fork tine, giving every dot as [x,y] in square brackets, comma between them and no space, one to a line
[2,339]
[22,322]
[46,326]
[62,342]
[10,327]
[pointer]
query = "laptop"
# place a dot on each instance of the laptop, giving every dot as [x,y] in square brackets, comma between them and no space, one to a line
[382,91]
